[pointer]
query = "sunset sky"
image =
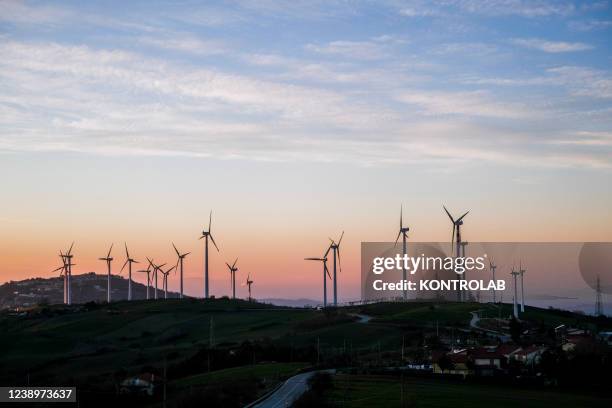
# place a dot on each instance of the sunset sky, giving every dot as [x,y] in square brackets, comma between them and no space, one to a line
[292,121]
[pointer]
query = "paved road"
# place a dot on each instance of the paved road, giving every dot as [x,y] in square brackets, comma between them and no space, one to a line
[291,390]
[362,318]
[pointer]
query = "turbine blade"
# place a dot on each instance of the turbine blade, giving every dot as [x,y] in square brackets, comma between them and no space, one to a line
[229,266]
[460,218]
[176,250]
[109,251]
[326,270]
[126,262]
[449,216]
[398,235]
[209,221]
[340,240]
[339,263]
[401,216]
[70,249]
[184,255]
[328,249]
[234,263]
[126,251]
[213,241]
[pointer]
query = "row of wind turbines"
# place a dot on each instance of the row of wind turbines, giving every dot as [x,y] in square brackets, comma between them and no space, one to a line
[153,268]
[458,248]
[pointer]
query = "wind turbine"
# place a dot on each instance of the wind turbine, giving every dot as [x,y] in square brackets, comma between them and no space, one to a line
[325,271]
[206,235]
[456,230]
[156,268]
[66,270]
[492,267]
[463,244]
[249,282]
[403,232]
[179,260]
[108,260]
[129,261]
[68,255]
[165,274]
[148,272]
[335,247]
[522,272]
[514,274]
[233,270]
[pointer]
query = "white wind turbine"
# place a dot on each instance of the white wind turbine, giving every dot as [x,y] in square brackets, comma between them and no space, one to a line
[108,260]
[179,261]
[456,238]
[129,261]
[148,272]
[403,232]
[522,272]
[493,267]
[325,275]
[165,274]
[335,247]
[233,269]
[207,234]
[514,274]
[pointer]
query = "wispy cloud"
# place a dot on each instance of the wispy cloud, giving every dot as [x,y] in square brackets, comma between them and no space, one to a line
[551,46]
[375,48]
[475,103]
[590,25]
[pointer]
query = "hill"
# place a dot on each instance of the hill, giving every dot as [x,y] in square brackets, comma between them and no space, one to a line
[97,346]
[88,287]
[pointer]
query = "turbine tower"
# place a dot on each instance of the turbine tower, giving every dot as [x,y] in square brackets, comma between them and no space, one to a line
[403,232]
[335,247]
[325,271]
[67,262]
[522,272]
[466,296]
[156,269]
[206,235]
[179,261]
[249,282]
[108,260]
[514,274]
[66,270]
[493,267]
[165,283]
[233,269]
[456,238]
[129,261]
[148,272]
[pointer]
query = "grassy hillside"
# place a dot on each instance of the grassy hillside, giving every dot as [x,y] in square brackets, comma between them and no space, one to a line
[386,391]
[96,346]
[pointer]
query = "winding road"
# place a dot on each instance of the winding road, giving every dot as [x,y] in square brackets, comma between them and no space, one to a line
[291,390]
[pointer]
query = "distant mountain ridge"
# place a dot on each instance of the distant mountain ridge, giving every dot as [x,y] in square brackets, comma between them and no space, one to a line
[302,302]
[86,287]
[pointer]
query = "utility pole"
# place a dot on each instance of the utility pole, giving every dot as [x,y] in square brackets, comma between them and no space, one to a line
[165,381]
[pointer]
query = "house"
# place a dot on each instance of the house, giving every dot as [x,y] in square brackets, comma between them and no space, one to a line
[529,355]
[458,360]
[486,360]
[143,384]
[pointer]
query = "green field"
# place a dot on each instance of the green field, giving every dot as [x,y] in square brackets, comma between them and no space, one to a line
[363,391]
[254,345]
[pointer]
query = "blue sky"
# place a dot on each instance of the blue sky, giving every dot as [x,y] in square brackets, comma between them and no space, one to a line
[301,116]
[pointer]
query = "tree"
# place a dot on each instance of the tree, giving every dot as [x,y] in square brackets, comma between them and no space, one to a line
[515,330]
[445,363]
